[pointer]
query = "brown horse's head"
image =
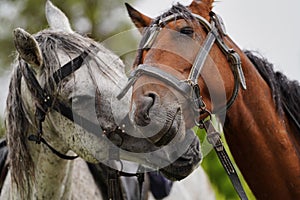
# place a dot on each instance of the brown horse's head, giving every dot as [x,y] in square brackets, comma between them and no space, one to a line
[163,92]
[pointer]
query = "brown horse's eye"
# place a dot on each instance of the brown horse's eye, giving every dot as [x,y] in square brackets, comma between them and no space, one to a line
[187,31]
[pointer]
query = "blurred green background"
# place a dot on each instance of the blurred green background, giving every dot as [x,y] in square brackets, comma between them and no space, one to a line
[99,20]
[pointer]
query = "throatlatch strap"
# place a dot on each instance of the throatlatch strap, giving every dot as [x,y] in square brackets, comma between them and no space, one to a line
[38,139]
[214,138]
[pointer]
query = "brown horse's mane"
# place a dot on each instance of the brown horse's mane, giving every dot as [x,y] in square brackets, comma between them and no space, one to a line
[283,90]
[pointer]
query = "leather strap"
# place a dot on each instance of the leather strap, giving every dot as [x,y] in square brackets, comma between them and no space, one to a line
[69,68]
[41,139]
[44,101]
[214,138]
[182,86]
[202,55]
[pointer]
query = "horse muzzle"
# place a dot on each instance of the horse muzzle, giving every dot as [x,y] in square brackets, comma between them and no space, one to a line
[158,123]
[185,164]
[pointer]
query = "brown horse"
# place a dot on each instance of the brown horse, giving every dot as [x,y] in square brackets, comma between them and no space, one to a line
[260,121]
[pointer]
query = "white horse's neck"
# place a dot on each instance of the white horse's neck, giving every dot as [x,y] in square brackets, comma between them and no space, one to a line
[52,175]
[52,178]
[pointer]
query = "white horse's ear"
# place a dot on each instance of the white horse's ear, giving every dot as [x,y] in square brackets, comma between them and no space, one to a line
[57,20]
[27,47]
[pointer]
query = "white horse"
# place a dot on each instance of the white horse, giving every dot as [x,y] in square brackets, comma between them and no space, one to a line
[89,89]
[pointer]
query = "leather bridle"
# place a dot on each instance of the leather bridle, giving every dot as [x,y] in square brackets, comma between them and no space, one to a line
[45,101]
[189,88]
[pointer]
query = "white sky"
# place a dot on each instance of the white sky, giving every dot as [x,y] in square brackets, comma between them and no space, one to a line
[271,27]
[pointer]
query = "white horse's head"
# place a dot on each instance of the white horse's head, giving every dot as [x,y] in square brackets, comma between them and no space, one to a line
[87,93]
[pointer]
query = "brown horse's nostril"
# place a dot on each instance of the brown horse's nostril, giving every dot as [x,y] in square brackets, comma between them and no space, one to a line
[144,105]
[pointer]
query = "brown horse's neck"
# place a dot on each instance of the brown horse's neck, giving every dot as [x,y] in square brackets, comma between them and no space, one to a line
[261,140]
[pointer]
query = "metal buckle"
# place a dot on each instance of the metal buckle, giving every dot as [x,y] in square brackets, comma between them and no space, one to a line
[219,23]
[214,138]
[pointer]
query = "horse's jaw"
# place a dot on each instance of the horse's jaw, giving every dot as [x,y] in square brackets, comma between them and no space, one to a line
[189,160]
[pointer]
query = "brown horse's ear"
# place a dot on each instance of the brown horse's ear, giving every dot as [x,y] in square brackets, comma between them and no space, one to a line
[207,3]
[140,20]
[27,47]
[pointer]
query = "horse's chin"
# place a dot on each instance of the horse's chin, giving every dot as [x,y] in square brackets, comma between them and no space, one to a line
[187,162]
[171,130]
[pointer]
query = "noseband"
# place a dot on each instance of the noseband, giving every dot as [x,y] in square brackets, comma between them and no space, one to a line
[189,88]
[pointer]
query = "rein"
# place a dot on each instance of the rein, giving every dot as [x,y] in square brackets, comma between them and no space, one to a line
[189,88]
